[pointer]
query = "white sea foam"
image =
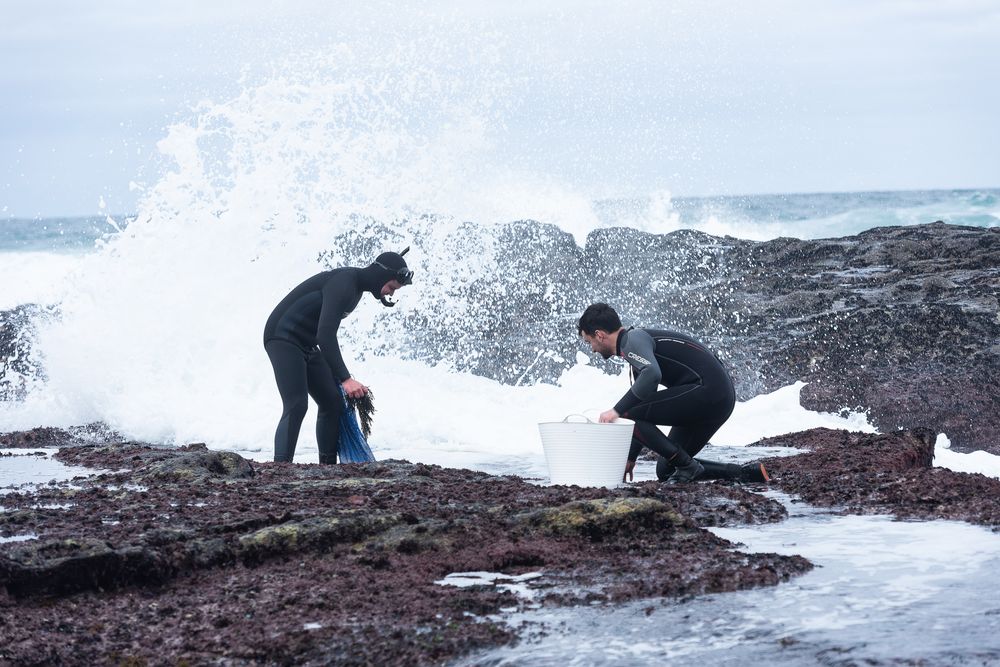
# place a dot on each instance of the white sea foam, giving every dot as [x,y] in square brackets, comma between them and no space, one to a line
[159,332]
[876,579]
[978,461]
[34,277]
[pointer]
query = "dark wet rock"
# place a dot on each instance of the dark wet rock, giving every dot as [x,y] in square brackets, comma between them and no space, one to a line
[37,437]
[882,474]
[50,437]
[17,365]
[167,556]
[71,565]
[724,504]
[900,322]
[195,464]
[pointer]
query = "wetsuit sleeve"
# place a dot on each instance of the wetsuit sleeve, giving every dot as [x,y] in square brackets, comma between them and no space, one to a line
[640,353]
[336,300]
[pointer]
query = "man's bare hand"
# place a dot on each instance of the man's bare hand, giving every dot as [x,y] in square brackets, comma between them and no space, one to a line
[629,467]
[354,389]
[608,416]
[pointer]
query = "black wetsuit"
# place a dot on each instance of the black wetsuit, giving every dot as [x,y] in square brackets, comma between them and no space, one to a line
[698,399]
[300,339]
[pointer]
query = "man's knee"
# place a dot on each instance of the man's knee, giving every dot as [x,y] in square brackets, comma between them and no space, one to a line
[296,409]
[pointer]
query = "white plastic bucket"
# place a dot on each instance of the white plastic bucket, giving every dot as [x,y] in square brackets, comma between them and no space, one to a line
[586,453]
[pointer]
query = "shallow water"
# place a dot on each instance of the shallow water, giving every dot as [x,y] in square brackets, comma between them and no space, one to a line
[20,468]
[882,591]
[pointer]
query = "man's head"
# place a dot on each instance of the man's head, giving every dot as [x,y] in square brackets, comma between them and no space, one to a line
[391,274]
[599,326]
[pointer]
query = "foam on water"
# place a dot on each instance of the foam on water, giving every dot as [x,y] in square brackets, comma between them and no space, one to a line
[875,581]
[976,462]
[35,277]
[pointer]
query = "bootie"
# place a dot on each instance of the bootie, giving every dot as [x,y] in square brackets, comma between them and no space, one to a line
[687,473]
[754,473]
[716,470]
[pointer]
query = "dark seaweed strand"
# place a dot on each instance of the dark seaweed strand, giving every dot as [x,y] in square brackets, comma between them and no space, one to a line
[365,408]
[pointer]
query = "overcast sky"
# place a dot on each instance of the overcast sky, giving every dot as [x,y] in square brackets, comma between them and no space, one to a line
[621,98]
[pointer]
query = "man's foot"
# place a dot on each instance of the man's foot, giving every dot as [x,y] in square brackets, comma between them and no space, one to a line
[687,473]
[754,472]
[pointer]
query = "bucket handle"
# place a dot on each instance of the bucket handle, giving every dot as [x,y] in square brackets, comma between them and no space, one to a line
[577,414]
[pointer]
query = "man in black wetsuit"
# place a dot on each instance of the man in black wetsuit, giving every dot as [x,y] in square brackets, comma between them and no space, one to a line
[698,399]
[300,339]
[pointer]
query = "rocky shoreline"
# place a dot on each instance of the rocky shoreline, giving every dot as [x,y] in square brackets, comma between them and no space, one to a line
[902,323]
[193,556]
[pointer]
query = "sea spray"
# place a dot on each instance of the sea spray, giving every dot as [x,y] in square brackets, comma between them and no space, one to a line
[340,156]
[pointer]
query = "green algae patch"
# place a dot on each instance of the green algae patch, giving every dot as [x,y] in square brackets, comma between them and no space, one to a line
[316,533]
[197,465]
[411,539]
[601,518]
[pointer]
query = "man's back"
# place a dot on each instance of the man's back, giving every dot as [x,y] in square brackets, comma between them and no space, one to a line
[296,318]
[681,359]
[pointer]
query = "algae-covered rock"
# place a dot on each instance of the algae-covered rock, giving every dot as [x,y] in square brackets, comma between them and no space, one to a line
[413,538]
[316,533]
[181,554]
[196,465]
[597,519]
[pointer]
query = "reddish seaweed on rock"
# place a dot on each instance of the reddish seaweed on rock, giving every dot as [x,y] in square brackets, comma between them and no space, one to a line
[201,556]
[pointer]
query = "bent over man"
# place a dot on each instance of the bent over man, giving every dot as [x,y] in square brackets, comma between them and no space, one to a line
[300,339]
[697,400]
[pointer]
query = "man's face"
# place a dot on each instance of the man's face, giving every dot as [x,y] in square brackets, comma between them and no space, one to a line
[390,288]
[600,342]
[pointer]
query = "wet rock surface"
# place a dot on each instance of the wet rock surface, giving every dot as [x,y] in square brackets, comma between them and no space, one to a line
[882,474]
[17,366]
[900,322]
[174,555]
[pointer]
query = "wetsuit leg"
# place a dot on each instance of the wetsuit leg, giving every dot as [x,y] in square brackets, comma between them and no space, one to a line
[692,439]
[668,406]
[647,435]
[289,363]
[325,390]
[694,413]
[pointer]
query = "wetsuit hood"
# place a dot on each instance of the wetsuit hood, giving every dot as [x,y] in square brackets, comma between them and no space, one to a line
[387,266]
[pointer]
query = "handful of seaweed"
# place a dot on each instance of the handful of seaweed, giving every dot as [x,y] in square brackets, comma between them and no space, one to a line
[353,445]
[365,409]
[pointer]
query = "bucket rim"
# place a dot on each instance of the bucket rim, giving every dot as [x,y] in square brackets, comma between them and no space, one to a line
[621,421]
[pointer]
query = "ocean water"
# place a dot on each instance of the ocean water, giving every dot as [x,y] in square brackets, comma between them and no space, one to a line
[883,592]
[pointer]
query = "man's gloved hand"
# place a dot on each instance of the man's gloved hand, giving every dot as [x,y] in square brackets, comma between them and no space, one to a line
[629,467]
